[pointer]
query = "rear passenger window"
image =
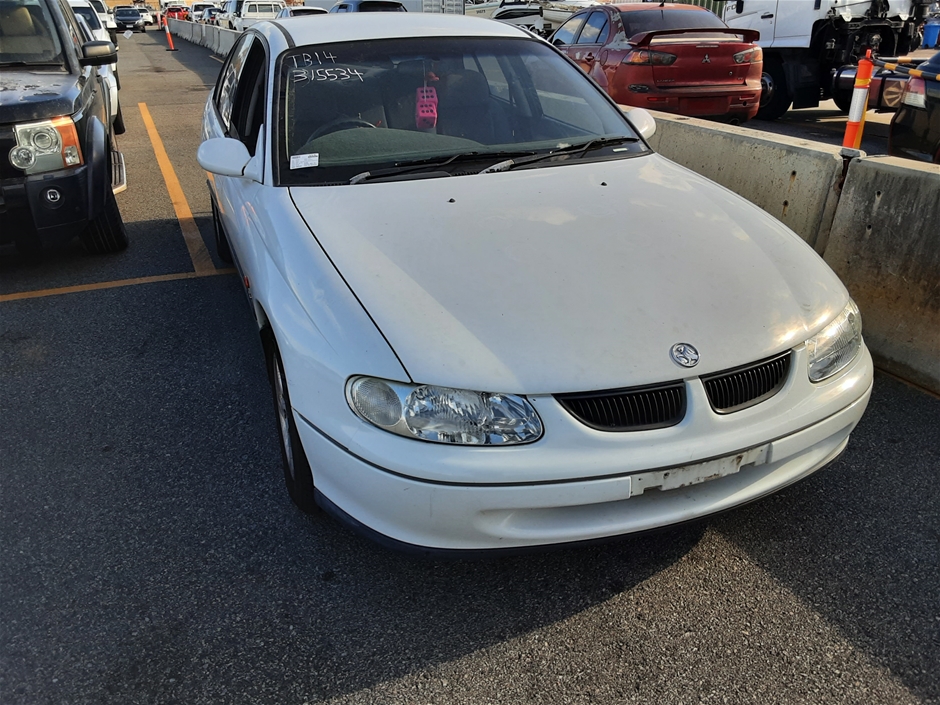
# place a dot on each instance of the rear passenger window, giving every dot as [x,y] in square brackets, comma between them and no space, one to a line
[595,29]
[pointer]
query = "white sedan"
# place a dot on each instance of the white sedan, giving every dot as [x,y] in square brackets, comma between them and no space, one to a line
[493,317]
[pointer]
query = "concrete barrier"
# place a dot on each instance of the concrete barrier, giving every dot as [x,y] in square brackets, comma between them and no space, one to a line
[219,40]
[794,180]
[885,246]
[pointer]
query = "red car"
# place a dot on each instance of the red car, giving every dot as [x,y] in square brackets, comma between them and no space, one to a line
[176,12]
[675,58]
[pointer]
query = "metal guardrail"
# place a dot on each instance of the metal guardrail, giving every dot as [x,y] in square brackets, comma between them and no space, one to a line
[217,39]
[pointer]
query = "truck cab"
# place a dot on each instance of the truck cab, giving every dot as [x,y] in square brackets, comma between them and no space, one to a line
[806,41]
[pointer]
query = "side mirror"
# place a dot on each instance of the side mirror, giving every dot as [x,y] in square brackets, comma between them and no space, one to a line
[642,121]
[223,156]
[98,53]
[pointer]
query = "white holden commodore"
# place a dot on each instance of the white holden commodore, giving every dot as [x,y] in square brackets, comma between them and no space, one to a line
[494,318]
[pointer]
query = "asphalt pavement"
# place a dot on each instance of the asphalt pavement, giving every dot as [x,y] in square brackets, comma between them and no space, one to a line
[149,552]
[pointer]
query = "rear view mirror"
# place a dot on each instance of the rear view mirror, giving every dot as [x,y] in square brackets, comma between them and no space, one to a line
[98,53]
[642,121]
[223,156]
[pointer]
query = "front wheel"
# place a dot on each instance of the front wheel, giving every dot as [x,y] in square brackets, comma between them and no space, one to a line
[106,233]
[298,476]
[221,242]
[119,122]
[774,97]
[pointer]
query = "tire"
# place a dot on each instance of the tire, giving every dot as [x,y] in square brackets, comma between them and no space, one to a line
[221,242]
[774,81]
[118,123]
[106,234]
[843,100]
[298,477]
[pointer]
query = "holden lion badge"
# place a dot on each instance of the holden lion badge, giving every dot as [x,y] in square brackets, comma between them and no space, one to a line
[684,354]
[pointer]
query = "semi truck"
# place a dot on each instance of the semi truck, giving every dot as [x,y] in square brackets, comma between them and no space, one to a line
[806,41]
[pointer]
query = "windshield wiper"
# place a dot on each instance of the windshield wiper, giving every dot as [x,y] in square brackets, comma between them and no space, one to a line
[420,164]
[575,149]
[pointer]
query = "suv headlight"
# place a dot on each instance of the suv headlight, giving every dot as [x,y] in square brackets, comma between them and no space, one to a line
[46,146]
[443,414]
[836,345]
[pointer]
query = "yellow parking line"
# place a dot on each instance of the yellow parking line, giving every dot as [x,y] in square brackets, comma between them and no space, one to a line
[202,262]
[40,293]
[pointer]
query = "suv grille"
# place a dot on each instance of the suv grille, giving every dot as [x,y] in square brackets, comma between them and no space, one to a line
[635,409]
[733,390]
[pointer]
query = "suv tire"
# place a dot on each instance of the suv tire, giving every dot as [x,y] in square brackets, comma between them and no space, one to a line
[118,123]
[106,233]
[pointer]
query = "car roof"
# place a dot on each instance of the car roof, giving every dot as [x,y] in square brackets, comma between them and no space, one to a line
[80,3]
[346,27]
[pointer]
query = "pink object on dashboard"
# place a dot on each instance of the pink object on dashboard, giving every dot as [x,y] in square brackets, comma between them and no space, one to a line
[426,107]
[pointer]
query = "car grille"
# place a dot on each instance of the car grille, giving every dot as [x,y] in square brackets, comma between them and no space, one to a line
[663,405]
[746,386]
[634,409]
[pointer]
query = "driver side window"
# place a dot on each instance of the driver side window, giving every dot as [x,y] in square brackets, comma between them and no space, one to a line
[248,106]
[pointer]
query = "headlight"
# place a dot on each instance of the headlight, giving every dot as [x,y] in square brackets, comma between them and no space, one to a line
[46,146]
[442,414]
[836,345]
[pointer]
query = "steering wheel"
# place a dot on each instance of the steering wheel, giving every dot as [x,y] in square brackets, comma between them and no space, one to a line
[342,123]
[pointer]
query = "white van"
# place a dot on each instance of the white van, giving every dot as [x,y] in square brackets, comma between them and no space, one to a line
[256,11]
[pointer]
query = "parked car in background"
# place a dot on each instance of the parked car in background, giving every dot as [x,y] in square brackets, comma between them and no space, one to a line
[300,12]
[915,127]
[176,12]
[253,12]
[208,16]
[88,20]
[56,146]
[230,12]
[368,6]
[106,16]
[676,58]
[197,8]
[129,18]
[493,317]
[145,14]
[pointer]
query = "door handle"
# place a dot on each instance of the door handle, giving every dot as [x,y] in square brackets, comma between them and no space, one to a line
[767,16]
[589,57]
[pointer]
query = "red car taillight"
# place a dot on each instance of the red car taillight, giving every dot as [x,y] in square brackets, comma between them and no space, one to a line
[749,56]
[915,93]
[645,56]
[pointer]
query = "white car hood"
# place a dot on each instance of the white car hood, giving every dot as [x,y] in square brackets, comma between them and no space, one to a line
[570,278]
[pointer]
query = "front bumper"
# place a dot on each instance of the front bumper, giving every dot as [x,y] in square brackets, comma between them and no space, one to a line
[51,207]
[408,512]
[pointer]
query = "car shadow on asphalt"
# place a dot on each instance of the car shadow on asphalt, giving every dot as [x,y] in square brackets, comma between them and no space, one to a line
[858,541]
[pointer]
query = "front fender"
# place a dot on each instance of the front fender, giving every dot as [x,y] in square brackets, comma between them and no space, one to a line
[97,160]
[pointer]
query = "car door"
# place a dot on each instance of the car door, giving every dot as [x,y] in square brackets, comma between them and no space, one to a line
[565,36]
[239,111]
[757,14]
[590,40]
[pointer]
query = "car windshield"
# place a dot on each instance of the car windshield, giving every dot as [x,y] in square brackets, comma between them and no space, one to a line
[127,14]
[98,5]
[28,35]
[348,108]
[89,15]
[637,21]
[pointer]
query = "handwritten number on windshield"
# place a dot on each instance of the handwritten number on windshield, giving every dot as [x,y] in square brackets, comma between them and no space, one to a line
[316,75]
